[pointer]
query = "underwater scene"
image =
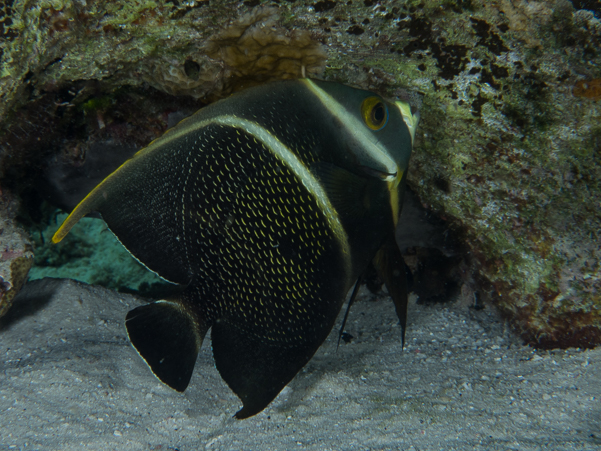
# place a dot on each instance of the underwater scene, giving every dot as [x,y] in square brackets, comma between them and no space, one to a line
[333,225]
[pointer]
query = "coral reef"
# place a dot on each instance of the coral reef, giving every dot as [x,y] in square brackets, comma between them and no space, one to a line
[507,152]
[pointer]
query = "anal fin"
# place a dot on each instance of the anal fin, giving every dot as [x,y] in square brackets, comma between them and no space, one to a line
[168,338]
[391,268]
[256,370]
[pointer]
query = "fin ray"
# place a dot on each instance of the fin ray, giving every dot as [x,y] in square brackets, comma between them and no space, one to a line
[348,308]
[347,191]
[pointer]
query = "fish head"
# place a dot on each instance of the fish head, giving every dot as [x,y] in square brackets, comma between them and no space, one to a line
[373,135]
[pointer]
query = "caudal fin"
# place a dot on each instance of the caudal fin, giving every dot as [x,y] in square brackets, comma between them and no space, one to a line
[168,338]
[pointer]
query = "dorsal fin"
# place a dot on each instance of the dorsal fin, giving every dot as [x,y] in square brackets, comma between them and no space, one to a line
[90,203]
[141,204]
[95,198]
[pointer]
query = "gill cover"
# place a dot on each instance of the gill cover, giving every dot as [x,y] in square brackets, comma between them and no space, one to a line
[376,135]
[372,131]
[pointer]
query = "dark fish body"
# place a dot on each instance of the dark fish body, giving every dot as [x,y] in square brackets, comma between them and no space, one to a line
[267,207]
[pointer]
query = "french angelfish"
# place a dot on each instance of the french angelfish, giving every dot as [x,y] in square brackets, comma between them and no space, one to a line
[266,207]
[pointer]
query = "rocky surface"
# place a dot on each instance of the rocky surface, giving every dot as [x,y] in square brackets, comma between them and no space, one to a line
[507,151]
[16,252]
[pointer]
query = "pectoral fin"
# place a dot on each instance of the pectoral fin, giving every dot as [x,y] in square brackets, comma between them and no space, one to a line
[347,192]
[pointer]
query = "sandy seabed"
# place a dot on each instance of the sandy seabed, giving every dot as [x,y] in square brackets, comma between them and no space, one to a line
[71,381]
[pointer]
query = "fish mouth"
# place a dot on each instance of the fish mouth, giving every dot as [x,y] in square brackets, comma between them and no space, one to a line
[375,173]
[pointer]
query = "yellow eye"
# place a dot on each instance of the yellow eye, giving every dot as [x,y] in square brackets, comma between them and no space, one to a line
[375,113]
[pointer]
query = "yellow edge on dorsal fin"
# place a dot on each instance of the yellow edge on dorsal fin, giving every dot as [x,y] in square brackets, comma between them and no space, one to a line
[94,198]
[87,205]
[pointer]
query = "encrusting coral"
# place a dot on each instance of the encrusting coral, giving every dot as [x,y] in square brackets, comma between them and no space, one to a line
[254,49]
[590,89]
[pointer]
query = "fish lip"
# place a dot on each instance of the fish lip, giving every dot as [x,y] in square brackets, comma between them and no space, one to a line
[384,176]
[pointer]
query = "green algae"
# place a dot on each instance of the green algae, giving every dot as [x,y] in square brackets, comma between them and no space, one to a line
[91,254]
